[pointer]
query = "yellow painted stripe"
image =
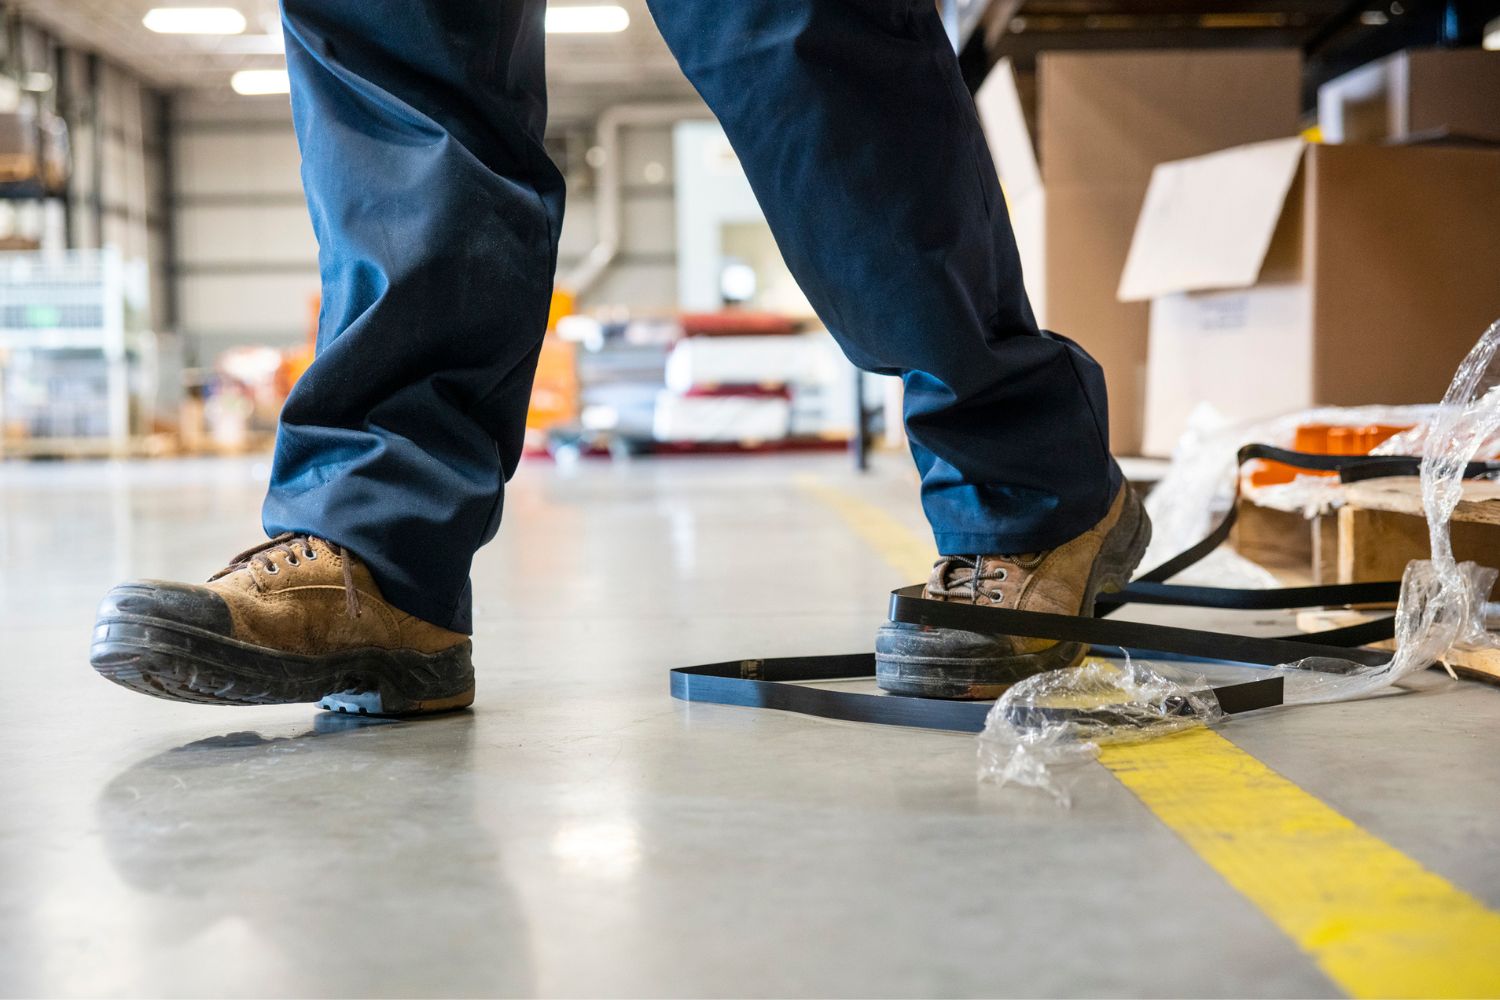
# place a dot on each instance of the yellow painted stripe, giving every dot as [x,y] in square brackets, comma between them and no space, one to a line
[1374,920]
[1377,922]
[897,544]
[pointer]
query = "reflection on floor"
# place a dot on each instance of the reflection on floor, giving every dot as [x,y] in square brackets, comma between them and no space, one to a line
[581,833]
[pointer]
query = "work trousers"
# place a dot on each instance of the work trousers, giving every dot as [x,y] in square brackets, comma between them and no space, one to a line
[437,214]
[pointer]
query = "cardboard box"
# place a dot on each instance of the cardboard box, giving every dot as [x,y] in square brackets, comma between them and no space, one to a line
[1414,93]
[1283,276]
[1105,119]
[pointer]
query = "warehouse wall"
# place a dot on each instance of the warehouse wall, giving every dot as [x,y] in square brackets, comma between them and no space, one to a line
[116,192]
[246,260]
[644,275]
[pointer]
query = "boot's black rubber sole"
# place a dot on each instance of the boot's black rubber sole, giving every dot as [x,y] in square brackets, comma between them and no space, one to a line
[918,661]
[178,662]
[927,662]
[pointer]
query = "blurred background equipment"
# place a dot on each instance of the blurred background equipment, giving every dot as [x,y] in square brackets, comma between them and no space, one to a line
[161,134]
[79,366]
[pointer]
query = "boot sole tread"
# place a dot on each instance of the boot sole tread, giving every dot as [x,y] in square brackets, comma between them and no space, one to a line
[178,662]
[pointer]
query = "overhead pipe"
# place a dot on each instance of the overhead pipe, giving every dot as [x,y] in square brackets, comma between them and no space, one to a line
[609,184]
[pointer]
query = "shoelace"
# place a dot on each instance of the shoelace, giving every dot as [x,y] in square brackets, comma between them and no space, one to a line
[295,548]
[960,576]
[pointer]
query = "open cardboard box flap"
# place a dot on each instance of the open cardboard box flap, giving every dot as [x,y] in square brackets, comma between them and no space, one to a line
[1003,119]
[1208,222]
[998,102]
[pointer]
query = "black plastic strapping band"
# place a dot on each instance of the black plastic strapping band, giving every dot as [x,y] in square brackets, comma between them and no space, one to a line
[781,683]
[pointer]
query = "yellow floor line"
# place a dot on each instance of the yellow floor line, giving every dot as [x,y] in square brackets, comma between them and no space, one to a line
[1374,920]
[896,543]
[1377,922]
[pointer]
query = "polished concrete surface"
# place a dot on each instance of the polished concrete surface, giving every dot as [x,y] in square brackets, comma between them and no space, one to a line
[579,832]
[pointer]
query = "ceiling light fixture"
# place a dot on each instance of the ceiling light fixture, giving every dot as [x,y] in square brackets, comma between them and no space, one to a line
[598,19]
[256,82]
[194,20]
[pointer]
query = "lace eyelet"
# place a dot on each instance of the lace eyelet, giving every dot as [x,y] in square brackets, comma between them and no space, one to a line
[272,569]
[309,554]
[292,560]
[996,595]
[1001,575]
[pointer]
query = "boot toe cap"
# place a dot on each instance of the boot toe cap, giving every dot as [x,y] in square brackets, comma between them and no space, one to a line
[162,601]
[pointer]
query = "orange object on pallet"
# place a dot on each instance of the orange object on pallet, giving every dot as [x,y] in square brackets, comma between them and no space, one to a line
[296,360]
[1322,439]
[555,391]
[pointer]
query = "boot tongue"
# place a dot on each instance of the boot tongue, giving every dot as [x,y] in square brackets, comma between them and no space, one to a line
[952,571]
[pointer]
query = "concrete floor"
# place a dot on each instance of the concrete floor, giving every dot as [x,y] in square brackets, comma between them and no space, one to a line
[580,833]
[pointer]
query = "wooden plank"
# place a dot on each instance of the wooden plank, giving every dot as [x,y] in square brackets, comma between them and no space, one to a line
[1281,541]
[1377,544]
[1326,548]
[1403,495]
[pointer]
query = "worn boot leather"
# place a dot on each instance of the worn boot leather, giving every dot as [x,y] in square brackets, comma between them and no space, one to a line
[294,619]
[951,663]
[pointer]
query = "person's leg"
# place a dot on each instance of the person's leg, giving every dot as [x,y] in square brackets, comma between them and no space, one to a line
[437,214]
[865,151]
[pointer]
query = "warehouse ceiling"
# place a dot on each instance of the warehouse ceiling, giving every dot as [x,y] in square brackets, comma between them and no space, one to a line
[590,72]
[585,72]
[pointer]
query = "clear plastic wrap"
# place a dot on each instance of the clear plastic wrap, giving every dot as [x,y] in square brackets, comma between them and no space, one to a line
[1305,495]
[1045,724]
[1053,720]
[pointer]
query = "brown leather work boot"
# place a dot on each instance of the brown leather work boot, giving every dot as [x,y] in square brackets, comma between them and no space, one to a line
[951,663]
[296,619]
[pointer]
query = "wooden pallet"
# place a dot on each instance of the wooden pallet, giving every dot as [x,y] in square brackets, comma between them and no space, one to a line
[136,446]
[1381,528]
[1378,530]
[1284,542]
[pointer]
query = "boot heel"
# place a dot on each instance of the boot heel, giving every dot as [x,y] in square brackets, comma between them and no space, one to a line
[392,702]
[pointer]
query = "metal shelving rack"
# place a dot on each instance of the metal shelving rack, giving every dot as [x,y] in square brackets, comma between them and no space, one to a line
[68,301]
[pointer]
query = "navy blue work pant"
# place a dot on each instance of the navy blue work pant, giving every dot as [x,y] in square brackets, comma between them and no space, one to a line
[437,214]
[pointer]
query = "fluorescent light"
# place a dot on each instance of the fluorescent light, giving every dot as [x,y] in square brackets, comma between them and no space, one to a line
[194,20]
[596,19]
[253,82]
[1492,35]
[251,45]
